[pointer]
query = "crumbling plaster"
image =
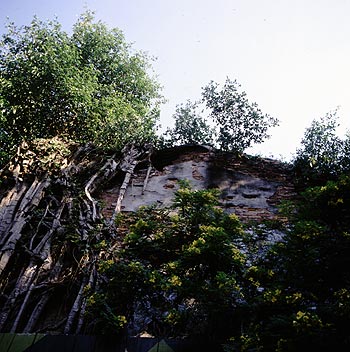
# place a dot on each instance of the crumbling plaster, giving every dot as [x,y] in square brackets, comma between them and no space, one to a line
[250,187]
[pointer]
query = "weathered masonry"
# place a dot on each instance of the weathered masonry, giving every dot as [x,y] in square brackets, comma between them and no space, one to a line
[250,187]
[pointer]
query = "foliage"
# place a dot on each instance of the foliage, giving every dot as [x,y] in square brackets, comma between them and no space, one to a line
[328,204]
[323,155]
[303,298]
[232,124]
[240,122]
[90,86]
[183,271]
[99,311]
[190,127]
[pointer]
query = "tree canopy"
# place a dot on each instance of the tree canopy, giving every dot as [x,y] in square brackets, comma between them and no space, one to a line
[240,123]
[190,127]
[323,155]
[90,85]
[232,123]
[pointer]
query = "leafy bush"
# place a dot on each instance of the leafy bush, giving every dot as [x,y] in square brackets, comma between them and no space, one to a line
[303,303]
[183,271]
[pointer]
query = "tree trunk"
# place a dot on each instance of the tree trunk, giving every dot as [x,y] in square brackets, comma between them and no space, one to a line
[90,285]
[75,308]
[49,225]
[30,200]
[34,317]
[8,207]
[128,164]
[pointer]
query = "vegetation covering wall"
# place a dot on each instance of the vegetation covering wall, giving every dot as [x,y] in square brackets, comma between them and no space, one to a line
[189,269]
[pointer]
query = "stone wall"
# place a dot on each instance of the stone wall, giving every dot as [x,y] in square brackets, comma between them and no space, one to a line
[251,187]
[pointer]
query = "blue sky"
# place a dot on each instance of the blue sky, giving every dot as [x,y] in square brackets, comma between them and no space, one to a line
[291,57]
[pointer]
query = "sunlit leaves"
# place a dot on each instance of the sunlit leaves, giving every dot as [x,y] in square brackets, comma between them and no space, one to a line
[240,123]
[184,270]
[226,120]
[323,154]
[89,86]
[190,127]
[306,300]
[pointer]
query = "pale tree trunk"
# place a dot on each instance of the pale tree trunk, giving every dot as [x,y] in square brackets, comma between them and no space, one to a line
[45,256]
[75,308]
[36,313]
[52,279]
[146,179]
[23,305]
[90,285]
[122,191]
[8,207]
[104,174]
[48,268]
[30,200]
[128,164]
[26,282]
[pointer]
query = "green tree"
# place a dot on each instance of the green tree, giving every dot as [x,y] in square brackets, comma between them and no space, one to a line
[304,295]
[190,127]
[186,269]
[345,155]
[323,154]
[240,123]
[90,86]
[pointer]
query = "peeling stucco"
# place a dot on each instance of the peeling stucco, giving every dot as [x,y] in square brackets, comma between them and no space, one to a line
[250,187]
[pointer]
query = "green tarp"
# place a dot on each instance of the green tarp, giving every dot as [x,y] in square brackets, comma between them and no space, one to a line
[84,343]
